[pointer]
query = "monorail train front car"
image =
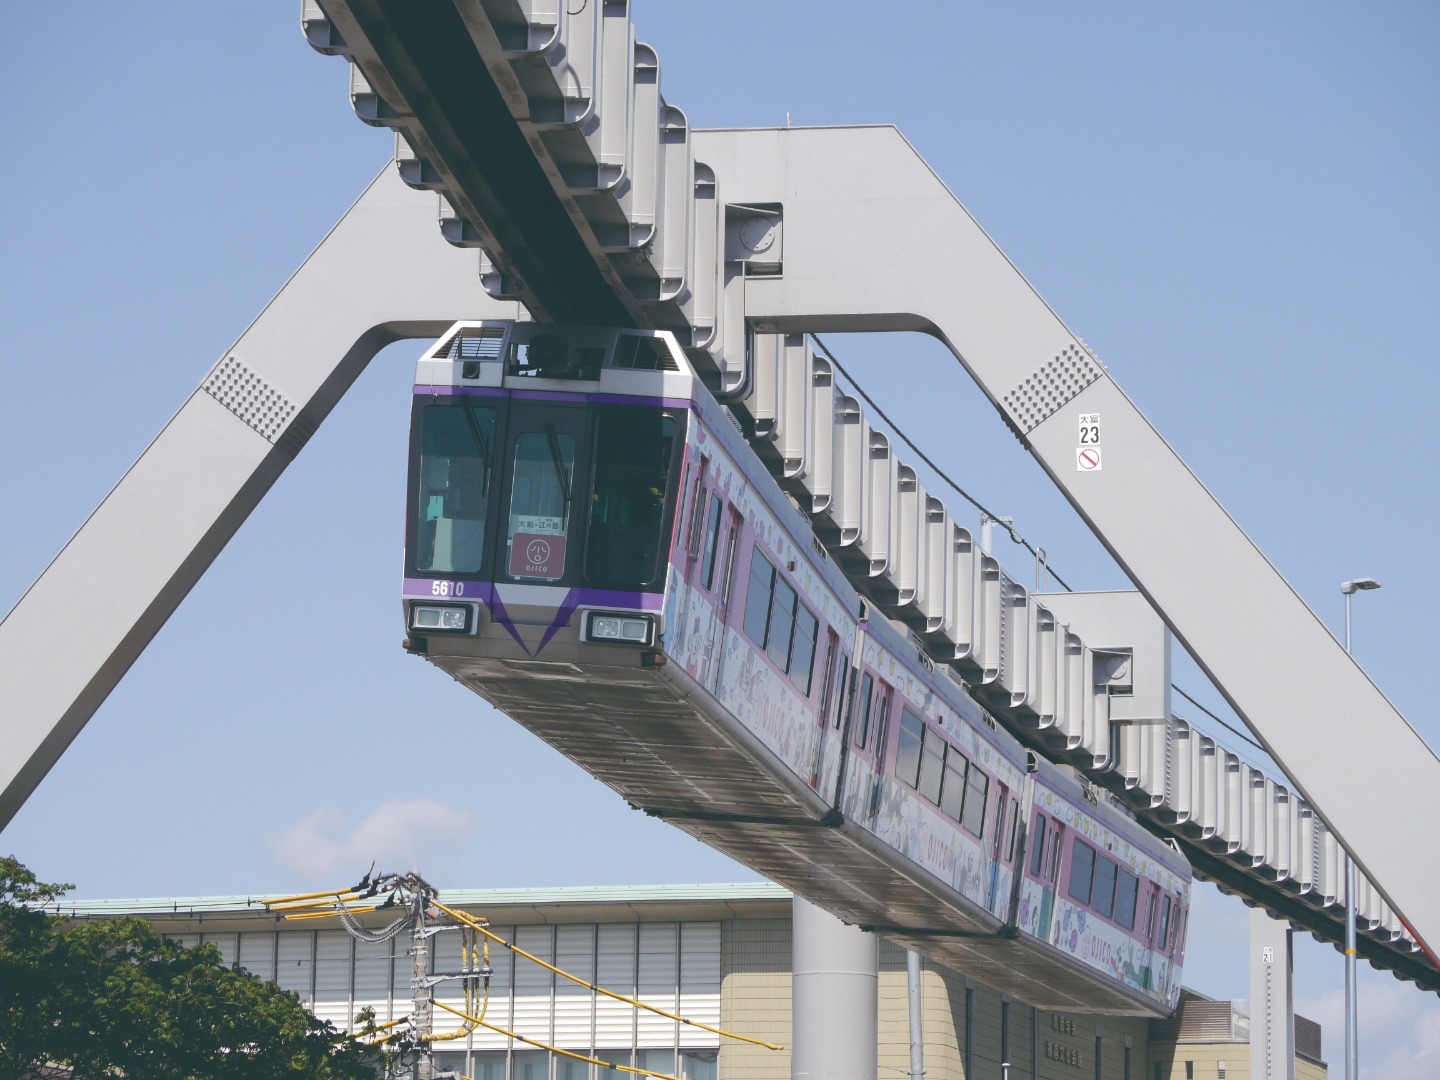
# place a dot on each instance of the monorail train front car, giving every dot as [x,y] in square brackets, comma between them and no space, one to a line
[593,548]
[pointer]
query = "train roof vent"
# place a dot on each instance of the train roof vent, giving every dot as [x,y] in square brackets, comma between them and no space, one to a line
[636,353]
[474,343]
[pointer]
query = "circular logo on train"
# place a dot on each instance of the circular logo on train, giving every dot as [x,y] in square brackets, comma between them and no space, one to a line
[537,551]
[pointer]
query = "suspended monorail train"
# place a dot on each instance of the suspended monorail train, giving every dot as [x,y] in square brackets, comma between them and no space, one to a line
[592,547]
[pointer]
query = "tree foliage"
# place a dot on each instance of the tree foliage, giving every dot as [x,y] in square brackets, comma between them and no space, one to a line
[110,998]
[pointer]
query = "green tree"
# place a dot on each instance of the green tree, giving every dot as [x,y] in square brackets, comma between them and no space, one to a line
[111,998]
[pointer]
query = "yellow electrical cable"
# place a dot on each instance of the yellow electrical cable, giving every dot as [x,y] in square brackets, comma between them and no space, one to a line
[326,914]
[347,891]
[475,924]
[555,1049]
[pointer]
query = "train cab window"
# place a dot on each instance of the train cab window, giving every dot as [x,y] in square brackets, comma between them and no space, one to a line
[540,501]
[862,703]
[1162,941]
[1102,897]
[1037,845]
[977,789]
[1127,891]
[453,489]
[1082,871]
[712,541]
[633,450]
[952,792]
[907,754]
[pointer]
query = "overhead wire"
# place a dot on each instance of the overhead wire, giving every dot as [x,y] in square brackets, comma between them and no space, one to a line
[471,921]
[574,1054]
[1009,527]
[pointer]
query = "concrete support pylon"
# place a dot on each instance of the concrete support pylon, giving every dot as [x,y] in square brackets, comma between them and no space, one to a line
[834,998]
[1272,998]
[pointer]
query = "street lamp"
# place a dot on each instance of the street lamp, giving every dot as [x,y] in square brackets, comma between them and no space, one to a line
[1352,1047]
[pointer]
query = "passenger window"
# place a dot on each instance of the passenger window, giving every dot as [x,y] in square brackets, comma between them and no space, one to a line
[952,792]
[1082,871]
[712,541]
[782,623]
[1037,842]
[1012,830]
[907,755]
[1127,891]
[540,497]
[862,726]
[757,600]
[1163,941]
[932,765]
[802,649]
[977,789]
[1102,898]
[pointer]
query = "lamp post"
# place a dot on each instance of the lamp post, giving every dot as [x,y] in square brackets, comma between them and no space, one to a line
[1352,1046]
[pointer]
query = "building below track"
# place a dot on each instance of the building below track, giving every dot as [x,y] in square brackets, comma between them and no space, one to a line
[718,954]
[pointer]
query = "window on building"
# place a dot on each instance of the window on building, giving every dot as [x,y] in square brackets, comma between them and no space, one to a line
[661,1061]
[568,1068]
[1099,1057]
[1125,1065]
[614,1057]
[700,1065]
[534,1065]
[486,1065]
[1189,1070]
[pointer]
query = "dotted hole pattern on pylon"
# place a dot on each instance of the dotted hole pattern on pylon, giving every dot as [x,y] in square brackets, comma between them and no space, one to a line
[1040,395]
[252,399]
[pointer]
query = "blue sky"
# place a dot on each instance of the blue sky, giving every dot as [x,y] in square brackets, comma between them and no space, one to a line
[1234,205]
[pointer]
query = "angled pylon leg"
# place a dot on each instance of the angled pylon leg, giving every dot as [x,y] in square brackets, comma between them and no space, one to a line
[383,273]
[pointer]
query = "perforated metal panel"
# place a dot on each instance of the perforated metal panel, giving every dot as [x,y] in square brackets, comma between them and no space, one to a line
[1050,387]
[261,406]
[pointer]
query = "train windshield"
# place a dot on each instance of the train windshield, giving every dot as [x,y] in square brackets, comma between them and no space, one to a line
[577,493]
[453,489]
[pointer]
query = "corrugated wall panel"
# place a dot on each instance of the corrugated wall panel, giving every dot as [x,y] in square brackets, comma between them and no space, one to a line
[615,970]
[372,977]
[533,984]
[333,955]
[574,1005]
[227,945]
[296,958]
[699,982]
[257,953]
[445,958]
[659,973]
[502,962]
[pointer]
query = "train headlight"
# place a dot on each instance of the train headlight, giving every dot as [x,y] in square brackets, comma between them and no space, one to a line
[441,618]
[623,629]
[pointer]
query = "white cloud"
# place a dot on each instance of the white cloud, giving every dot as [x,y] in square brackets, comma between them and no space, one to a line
[400,835]
[1399,1027]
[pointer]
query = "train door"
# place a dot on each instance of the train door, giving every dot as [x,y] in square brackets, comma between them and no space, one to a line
[997,845]
[1045,868]
[880,725]
[828,691]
